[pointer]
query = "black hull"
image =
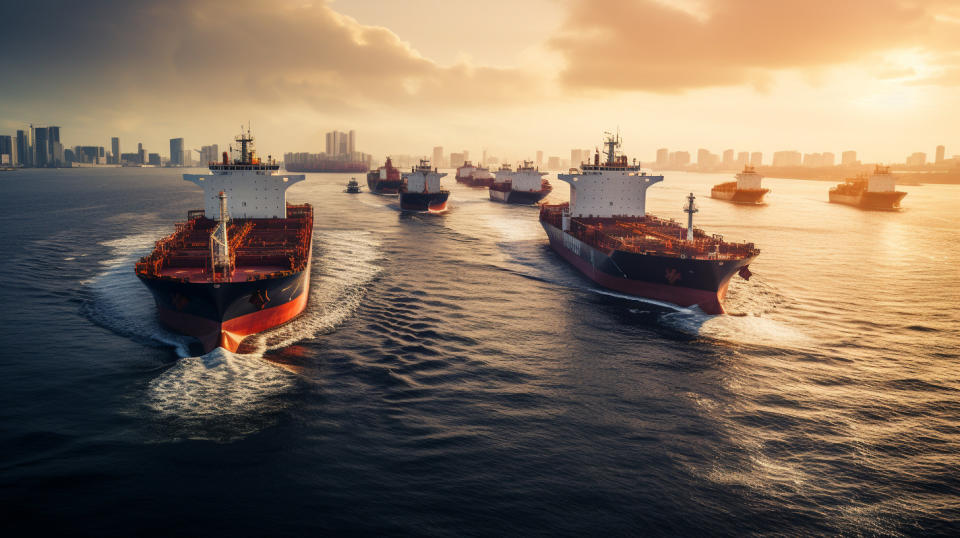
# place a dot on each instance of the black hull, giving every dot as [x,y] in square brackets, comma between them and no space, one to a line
[424,201]
[383,186]
[518,197]
[680,281]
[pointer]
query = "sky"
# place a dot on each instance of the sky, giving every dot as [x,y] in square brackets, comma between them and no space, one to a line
[881,77]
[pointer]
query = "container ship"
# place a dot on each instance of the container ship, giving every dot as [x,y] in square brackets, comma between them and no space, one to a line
[524,186]
[474,176]
[878,191]
[421,190]
[384,180]
[240,265]
[745,190]
[605,233]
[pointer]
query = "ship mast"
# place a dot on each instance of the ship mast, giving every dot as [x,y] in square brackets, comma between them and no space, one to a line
[690,208]
[246,146]
[219,246]
[612,142]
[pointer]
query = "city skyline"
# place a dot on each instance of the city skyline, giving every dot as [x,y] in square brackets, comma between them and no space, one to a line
[879,77]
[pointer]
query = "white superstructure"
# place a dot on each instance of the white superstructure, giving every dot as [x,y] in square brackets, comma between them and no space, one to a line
[749,179]
[504,174]
[482,172]
[881,180]
[423,178]
[253,189]
[612,189]
[527,178]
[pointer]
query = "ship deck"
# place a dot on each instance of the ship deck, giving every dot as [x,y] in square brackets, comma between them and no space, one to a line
[647,235]
[259,248]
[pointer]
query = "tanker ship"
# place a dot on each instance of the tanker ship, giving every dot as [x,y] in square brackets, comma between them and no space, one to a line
[745,190]
[384,180]
[605,232]
[474,176]
[879,191]
[421,190]
[525,186]
[240,265]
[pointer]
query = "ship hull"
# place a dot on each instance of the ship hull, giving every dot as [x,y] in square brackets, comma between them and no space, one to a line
[739,196]
[880,201]
[471,181]
[683,282]
[383,186]
[223,314]
[424,201]
[518,197]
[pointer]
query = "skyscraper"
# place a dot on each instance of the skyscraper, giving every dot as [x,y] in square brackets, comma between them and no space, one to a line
[756,158]
[6,150]
[352,142]
[23,148]
[141,154]
[176,152]
[742,159]
[41,147]
[663,157]
[115,148]
[940,151]
[438,156]
[848,158]
[539,159]
[728,158]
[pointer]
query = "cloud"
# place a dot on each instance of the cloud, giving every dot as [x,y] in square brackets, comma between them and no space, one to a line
[181,53]
[671,46]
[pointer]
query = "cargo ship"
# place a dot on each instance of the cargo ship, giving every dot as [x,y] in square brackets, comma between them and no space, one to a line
[240,265]
[474,176]
[745,190]
[605,232]
[384,180]
[421,190]
[878,191]
[524,186]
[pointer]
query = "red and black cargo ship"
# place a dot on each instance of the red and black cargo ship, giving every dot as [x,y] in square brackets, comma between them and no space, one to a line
[239,266]
[875,192]
[606,234]
[421,190]
[384,180]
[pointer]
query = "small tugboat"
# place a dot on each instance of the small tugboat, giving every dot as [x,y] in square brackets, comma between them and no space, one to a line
[474,176]
[745,190]
[421,190]
[384,180]
[525,186]
[352,186]
[606,233]
[878,192]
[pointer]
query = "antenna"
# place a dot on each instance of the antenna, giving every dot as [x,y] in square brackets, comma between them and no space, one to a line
[690,208]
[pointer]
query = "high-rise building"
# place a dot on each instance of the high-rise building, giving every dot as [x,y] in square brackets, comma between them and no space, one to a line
[115,149]
[756,158]
[539,158]
[438,157]
[940,151]
[742,159]
[54,147]
[352,142]
[154,159]
[553,163]
[707,160]
[23,148]
[848,158]
[679,159]
[576,157]
[209,154]
[917,159]
[456,160]
[6,150]
[663,157]
[728,159]
[41,147]
[141,154]
[828,159]
[787,158]
[176,152]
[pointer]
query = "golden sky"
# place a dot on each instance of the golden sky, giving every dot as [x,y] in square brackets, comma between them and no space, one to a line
[878,76]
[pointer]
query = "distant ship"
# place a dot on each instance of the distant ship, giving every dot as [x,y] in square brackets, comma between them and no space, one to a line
[605,233]
[239,266]
[352,186]
[328,165]
[524,186]
[745,190]
[384,180]
[879,191]
[421,189]
[474,176]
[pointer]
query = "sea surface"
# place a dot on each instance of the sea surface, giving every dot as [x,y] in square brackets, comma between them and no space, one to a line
[452,376]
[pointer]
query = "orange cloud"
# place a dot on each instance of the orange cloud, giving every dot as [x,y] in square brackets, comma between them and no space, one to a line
[653,46]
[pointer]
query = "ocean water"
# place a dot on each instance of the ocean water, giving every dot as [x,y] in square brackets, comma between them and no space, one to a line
[452,376]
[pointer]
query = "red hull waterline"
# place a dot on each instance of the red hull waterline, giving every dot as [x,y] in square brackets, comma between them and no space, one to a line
[709,302]
[228,334]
